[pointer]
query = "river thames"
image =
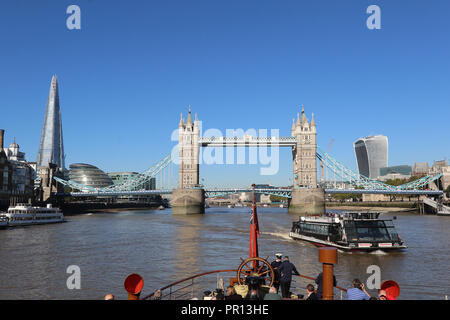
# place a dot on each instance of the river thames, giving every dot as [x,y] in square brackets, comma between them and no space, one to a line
[163,248]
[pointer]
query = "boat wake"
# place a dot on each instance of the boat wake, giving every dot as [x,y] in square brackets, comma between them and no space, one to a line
[282,235]
[379,252]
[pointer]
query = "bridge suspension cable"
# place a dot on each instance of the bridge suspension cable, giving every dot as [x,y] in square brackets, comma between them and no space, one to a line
[135,183]
[162,172]
[359,180]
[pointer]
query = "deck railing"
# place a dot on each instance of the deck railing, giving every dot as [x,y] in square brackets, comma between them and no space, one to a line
[172,292]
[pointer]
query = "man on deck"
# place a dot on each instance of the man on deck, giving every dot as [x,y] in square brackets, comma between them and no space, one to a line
[286,270]
[319,282]
[275,265]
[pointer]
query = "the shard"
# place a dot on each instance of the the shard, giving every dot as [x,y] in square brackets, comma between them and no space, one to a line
[51,148]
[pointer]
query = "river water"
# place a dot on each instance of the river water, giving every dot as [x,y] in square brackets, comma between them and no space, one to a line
[163,248]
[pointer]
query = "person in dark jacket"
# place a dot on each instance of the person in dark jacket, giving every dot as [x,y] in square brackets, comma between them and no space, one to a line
[310,295]
[319,282]
[275,265]
[286,270]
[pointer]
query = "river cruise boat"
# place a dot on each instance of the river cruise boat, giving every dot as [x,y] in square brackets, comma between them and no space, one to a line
[3,221]
[353,231]
[23,215]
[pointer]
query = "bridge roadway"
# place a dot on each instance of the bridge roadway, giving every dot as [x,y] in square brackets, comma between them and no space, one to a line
[286,193]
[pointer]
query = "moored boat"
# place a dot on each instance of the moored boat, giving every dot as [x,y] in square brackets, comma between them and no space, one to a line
[22,215]
[352,231]
[3,221]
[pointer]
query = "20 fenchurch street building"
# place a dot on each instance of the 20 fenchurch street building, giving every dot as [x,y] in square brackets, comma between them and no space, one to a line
[371,155]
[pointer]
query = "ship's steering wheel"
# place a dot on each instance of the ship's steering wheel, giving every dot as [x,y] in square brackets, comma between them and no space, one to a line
[256,267]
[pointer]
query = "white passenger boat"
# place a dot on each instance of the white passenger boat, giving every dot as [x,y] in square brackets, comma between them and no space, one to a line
[3,221]
[22,215]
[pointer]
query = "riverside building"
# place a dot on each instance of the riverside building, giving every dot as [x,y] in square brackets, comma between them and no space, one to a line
[89,175]
[16,175]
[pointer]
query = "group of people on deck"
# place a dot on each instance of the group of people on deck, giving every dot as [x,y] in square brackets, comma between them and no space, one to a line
[283,276]
[283,272]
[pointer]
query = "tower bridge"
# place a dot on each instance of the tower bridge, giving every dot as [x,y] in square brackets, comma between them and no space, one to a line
[304,197]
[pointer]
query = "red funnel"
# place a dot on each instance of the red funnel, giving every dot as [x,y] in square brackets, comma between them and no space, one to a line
[392,288]
[134,283]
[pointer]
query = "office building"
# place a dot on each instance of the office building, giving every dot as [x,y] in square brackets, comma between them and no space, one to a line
[371,155]
[16,175]
[51,147]
[404,170]
[121,177]
[13,153]
[89,175]
[438,166]
[420,168]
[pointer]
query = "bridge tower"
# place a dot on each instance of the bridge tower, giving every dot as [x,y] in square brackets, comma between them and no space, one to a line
[188,135]
[307,198]
[189,197]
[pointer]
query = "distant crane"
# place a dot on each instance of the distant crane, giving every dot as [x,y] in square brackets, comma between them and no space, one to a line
[321,162]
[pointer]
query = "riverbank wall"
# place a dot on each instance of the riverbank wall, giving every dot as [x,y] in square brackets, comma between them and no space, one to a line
[81,208]
[375,205]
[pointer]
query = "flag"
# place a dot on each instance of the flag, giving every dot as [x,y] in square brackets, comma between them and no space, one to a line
[254,221]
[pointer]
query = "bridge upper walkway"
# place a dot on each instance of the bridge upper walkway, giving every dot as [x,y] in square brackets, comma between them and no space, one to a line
[247,141]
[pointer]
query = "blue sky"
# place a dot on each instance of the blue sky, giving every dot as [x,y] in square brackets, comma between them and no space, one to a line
[134,66]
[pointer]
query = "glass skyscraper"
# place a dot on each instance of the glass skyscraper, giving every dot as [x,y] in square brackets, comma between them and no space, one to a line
[371,155]
[51,148]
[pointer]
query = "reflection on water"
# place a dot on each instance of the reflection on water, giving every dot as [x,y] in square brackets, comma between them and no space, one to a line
[187,255]
[165,248]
